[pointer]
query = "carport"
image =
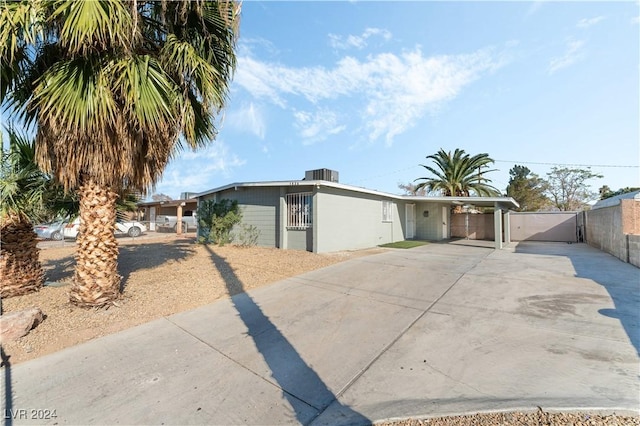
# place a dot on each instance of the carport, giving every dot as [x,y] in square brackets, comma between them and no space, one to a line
[501,206]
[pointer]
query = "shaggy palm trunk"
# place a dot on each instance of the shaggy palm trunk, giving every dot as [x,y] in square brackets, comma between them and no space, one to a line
[20,268]
[96,280]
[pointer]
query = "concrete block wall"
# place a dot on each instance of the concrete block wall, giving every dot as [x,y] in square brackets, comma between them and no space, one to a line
[634,249]
[615,230]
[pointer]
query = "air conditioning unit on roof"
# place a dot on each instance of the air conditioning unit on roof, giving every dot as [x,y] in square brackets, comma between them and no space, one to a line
[321,174]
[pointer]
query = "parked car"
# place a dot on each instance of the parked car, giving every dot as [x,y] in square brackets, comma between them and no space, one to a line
[131,228]
[170,223]
[50,231]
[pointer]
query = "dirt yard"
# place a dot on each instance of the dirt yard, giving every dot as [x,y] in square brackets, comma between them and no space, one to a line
[160,277]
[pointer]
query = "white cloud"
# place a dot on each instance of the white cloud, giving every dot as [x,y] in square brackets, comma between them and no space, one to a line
[635,20]
[535,6]
[574,53]
[389,92]
[588,22]
[248,119]
[317,126]
[197,171]
[357,41]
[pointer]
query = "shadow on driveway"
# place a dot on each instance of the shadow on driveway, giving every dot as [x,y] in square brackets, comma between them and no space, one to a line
[620,279]
[288,369]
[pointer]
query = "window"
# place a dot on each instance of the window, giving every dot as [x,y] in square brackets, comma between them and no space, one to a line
[299,210]
[387,211]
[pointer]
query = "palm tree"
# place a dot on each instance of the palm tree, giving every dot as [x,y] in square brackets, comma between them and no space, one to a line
[22,188]
[459,175]
[115,89]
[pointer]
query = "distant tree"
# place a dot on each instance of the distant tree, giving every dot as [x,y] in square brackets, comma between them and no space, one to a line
[528,189]
[568,188]
[412,189]
[161,197]
[606,192]
[458,174]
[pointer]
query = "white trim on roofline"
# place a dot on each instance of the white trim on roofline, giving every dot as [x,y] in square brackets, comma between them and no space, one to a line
[477,201]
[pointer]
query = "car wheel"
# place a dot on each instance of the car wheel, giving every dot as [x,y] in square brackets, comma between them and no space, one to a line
[56,236]
[134,231]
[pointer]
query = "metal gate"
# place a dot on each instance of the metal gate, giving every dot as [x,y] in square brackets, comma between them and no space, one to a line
[547,226]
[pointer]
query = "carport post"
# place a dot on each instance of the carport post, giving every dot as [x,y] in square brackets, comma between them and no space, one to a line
[507,227]
[497,224]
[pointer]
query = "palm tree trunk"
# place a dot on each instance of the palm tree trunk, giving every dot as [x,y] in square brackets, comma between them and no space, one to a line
[96,280]
[20,268]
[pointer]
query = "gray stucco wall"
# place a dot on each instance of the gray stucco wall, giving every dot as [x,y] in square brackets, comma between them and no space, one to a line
[260,208]
[346,220]
[430,227]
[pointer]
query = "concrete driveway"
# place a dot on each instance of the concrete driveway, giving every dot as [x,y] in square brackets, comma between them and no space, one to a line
[439,329]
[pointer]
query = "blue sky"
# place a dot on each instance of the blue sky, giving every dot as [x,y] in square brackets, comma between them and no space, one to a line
[371,88]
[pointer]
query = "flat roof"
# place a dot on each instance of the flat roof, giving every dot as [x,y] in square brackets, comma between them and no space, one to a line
[503,202]
[167,203]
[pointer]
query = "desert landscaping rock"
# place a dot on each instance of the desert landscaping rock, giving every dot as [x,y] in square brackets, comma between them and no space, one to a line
[18,324]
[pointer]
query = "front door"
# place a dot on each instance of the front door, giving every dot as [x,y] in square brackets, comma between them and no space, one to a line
[411,220]
[445,223]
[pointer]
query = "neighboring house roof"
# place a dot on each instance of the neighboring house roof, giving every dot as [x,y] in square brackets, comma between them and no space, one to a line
[168,203]
[614,201]
[503,202]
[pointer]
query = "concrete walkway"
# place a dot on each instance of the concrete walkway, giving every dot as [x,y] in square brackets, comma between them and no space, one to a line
[439,329]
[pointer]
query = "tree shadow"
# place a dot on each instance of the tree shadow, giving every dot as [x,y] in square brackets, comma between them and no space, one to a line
[620,279]
[294,376]
[131,258]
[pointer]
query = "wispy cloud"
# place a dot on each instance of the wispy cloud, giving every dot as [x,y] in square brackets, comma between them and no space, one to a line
[318,125]
[574,52]
[197,171]
[247,119]
[387,93]
[535,6]
[588,22]
[357,41]
[635,20]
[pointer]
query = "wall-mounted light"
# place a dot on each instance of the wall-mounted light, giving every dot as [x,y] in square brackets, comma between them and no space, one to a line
[425,213]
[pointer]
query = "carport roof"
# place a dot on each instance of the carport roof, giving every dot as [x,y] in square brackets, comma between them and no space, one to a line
[505,203]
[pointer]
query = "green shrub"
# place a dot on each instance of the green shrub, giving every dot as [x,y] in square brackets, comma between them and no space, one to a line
[216,221]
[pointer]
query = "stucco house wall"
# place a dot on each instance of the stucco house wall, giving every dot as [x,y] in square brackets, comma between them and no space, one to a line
[429,226]
[345,220]
[259,206]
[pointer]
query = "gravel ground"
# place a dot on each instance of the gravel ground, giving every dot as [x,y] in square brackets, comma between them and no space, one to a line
[538,418]
[160,277]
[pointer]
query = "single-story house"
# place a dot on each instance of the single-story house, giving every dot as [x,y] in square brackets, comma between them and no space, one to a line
[320,215]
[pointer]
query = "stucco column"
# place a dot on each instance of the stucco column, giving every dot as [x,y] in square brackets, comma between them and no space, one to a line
[497,224]
[314,218]
[507,227]
[282,220]
[179,220]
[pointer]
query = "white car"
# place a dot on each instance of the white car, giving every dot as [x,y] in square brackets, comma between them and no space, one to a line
[131,228]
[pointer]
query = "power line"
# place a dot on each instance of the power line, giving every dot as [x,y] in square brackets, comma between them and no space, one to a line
[567,164]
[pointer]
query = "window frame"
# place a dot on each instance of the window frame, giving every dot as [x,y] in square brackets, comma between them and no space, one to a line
[302,217]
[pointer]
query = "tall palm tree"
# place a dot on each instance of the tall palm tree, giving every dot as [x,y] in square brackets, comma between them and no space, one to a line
[115,89]
[459,175]
[22,189]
